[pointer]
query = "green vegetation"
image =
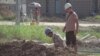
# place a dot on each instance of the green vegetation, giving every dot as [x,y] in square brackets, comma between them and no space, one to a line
[97,17]
[94,54]
[7,17]
[83,31]
[93,31]
[94,19]
[34,32]
[23,32]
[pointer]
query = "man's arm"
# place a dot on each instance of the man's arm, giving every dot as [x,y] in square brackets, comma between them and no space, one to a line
[77,24]
[64,29]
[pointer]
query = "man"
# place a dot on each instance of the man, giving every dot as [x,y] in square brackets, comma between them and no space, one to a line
[36,12]
[71,27]
[58,41]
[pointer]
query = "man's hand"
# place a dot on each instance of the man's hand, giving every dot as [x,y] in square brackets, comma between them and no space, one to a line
[64,29]
[76,32]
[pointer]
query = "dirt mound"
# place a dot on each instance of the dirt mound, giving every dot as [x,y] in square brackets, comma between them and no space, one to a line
[21,48]
[29,48]
[33,48]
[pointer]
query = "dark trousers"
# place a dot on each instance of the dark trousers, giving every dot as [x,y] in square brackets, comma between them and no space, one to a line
[70,38]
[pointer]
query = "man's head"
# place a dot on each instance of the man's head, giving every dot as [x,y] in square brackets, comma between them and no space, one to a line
[68,7]
[49,32]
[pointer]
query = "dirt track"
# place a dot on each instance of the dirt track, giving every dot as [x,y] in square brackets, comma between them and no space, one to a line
[62,24]
[50,23]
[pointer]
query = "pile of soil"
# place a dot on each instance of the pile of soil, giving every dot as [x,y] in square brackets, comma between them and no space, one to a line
[32,48]
[29,48]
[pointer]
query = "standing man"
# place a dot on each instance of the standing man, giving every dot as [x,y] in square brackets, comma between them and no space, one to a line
[36,12]
[71,27]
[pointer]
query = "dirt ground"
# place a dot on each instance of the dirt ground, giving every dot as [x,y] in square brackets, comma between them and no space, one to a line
[30,48]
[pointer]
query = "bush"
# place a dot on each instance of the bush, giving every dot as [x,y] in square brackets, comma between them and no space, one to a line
[9,18]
